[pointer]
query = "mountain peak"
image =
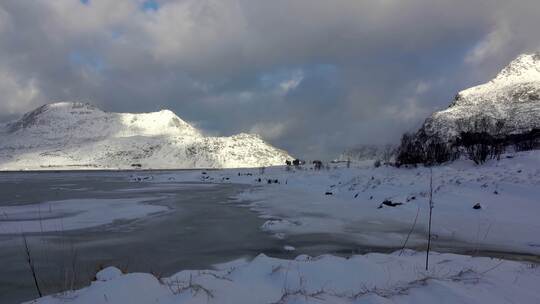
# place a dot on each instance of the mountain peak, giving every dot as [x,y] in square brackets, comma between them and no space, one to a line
[70,105]
[33,117]
[84,120]
[524,68]
[513,97]
[517,81]
[74,134]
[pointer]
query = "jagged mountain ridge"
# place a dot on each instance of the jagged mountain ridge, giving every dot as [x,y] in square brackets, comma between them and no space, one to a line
[511,98]
[78,135]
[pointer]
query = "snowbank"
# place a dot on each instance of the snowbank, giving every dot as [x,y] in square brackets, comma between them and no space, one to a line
[371,278]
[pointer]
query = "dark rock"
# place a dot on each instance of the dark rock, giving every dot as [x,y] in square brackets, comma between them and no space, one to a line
[412,198]
[389,203]
[477,206]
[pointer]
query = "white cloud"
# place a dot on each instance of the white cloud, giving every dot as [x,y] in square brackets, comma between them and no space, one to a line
[422,87]
[5,22]
[291,83]
[17,95]
[204,59]
[491,45]
[269,131]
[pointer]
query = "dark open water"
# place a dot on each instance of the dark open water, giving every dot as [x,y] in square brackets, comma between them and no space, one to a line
[203,228]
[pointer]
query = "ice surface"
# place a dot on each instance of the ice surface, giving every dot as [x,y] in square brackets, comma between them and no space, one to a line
[72,214]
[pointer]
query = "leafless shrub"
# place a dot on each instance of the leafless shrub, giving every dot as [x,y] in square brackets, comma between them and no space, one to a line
[177,286]
[215,275]
[301,291]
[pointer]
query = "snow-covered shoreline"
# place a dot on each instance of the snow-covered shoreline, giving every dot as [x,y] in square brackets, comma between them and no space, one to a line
[347,202]
[370,278]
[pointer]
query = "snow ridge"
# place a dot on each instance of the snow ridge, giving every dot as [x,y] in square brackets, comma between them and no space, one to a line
[512,97]
[81,136]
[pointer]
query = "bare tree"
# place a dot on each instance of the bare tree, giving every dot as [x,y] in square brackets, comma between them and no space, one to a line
[387,153]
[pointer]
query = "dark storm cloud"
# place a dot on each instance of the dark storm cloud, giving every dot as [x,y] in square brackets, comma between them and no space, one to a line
[312,77]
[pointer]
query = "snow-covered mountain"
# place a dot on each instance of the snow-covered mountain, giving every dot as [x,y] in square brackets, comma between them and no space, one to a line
[80,136]
[512,98]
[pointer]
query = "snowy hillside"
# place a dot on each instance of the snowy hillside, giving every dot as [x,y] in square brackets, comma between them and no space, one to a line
[512,98]
[80,136]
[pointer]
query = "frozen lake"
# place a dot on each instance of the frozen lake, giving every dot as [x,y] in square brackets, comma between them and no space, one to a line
[75,222]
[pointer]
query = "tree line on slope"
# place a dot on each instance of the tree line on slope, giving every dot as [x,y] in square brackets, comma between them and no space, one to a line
[484,139]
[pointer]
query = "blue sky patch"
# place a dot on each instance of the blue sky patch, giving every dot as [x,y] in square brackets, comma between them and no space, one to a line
[95,63]
[150,5]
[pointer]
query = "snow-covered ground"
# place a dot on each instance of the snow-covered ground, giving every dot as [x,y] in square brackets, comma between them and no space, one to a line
[371,278]
[346,203]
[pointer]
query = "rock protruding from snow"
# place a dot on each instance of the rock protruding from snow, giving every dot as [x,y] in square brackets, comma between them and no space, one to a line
[78,135]
[512,99]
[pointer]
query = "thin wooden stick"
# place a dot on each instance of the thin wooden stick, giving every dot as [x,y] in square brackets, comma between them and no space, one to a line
[430,213]
[31,264]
